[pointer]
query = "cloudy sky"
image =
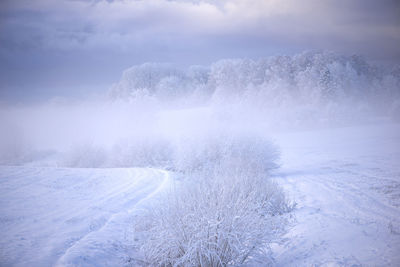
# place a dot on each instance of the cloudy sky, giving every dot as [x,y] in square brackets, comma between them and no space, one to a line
[70,47]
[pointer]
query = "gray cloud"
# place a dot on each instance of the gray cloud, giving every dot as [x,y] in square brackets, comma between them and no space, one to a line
[57,46]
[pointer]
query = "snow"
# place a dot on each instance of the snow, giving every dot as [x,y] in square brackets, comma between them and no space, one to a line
[346,183]
[60,216]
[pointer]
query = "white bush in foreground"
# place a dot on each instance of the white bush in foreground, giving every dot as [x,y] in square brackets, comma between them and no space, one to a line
[220,214]
[220,222]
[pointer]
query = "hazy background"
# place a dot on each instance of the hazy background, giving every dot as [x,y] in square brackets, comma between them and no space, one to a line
[79,48]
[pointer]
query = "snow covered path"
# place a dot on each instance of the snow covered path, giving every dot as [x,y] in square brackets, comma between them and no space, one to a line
[61,216]
[347,186]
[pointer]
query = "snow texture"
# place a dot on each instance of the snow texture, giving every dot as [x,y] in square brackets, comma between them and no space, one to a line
[71,217]
[346,183]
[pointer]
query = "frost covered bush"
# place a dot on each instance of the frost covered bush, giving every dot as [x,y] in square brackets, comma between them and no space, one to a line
[215,222]
[224,212]
[15,151]
[134,152]
[142,152]
[85,156]
[224,152]
[15,148]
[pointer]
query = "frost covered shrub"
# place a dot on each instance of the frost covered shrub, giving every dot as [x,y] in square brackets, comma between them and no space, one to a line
[142,152]
[223,152]
[15,152]
[215,222]
[15,148]
[224,212]
[134,152]
[85,156]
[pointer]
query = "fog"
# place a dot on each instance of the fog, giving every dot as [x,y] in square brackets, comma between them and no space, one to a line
[159,102]
[199,133]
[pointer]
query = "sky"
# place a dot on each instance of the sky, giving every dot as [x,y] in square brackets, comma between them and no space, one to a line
[69,48]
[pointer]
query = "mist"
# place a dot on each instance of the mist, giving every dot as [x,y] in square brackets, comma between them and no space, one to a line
[199,133]
[158,100]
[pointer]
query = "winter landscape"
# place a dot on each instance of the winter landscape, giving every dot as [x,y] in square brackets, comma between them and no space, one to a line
[199,133]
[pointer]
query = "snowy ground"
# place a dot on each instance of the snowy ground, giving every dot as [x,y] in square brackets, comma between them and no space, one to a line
[55,216]
[346,183]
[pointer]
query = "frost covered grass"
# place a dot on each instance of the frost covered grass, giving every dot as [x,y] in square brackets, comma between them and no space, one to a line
[219,152]
[225,211]
[151,151]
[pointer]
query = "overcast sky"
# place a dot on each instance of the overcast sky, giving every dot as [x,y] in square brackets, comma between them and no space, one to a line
[69,47]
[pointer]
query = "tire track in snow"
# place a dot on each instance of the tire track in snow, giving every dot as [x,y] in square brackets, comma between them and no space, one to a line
[338,224]
[74,254]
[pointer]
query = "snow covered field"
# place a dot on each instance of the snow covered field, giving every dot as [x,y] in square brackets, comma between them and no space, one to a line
[60,216]
[207,133]
[346,182]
